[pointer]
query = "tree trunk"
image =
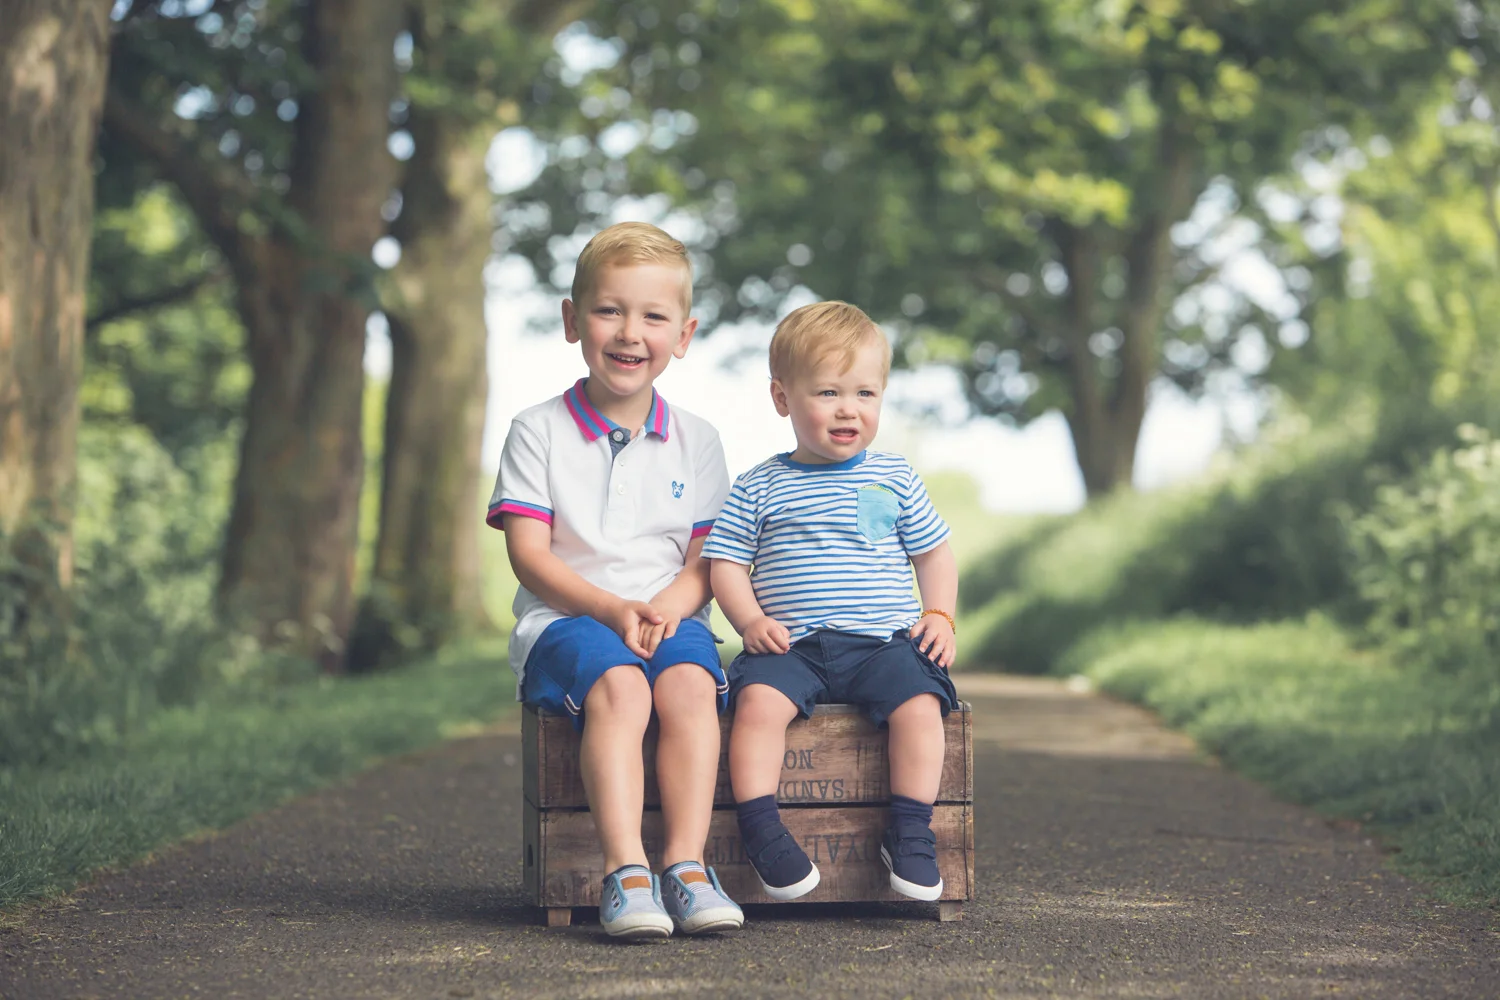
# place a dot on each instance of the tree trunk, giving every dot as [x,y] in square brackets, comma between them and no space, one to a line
[424,587]
[53,63]
[1105,420]
[290,549]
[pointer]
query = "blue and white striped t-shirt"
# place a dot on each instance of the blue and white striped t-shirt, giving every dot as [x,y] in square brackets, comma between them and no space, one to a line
[831,545]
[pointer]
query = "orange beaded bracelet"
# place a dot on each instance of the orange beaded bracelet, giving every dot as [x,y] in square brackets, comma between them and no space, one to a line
[946,616]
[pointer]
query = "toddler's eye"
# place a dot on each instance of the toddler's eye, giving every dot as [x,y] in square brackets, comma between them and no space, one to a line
[868,393]
[828,392]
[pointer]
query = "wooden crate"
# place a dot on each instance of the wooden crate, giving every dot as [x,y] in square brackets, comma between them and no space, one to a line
[834,791]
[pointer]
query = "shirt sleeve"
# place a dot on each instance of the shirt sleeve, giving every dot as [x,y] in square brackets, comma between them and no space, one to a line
[521,487]
[736,531]
[712,485]
[920,526]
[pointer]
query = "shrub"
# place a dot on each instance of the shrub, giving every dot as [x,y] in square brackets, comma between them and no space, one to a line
[1428,559]
[142,632]
[1260,537]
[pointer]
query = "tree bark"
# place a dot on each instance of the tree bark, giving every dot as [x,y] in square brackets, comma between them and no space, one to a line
[1105,419]
[293,531]
[425,582]
[53,64]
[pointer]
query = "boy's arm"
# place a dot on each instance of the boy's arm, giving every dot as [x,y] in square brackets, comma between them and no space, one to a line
[528,542]
[937,581]
[736,597]
[679,599]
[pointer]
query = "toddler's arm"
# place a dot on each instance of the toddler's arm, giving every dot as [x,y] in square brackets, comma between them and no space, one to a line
[937,580]
[528,542]
[731,586]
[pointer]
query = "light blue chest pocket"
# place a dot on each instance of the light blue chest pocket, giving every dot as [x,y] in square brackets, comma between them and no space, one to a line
[878,511]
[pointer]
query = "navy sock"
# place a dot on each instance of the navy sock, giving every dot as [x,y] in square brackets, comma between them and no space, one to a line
[755,815]
[905,810]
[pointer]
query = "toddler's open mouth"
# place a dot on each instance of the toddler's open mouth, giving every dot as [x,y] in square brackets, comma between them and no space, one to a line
[844,435]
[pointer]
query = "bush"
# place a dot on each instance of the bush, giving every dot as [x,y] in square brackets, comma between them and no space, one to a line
[142,632]
[1428,559]
[1260,537]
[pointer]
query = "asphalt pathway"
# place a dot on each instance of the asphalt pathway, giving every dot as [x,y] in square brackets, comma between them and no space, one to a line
[1112,862]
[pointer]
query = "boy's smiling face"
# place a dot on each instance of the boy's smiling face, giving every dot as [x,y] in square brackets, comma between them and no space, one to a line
[834,413]
[631,323]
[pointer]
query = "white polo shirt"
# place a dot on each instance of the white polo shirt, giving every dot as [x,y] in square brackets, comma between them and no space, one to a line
[621,521]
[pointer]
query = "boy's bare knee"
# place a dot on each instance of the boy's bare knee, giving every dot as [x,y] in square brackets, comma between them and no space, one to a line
[763,705]
[620,693]
[920,710]
[684,688]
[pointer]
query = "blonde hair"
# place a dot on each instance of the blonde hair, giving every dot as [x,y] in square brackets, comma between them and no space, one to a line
[811,335]
[627,243]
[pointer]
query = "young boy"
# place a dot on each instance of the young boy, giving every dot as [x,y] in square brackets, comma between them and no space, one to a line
[833,531]
[605,495]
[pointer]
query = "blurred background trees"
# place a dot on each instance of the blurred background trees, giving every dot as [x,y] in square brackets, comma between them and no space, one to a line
[1065,205]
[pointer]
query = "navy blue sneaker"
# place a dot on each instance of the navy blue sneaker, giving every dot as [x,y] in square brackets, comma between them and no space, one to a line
[785,870]
[910,852]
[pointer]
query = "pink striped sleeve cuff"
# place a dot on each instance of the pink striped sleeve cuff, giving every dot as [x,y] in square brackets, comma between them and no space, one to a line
[702,528]
[495,517]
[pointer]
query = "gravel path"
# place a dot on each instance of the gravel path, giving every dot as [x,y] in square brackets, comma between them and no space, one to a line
[1112,862]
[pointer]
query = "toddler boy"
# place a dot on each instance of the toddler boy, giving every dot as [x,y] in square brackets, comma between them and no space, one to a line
[605,495]
[833,531]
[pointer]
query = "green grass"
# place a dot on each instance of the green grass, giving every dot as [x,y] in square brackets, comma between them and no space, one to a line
[1414,756]
[205,767]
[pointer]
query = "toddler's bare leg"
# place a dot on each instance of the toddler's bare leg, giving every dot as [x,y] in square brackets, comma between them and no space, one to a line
[687,758]
[916,748]
[757,742]
[615,715]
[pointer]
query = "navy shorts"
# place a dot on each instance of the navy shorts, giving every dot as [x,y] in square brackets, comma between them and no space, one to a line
[877,675]
[572,653]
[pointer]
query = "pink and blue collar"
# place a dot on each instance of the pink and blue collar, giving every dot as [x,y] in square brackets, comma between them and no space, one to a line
[594,425]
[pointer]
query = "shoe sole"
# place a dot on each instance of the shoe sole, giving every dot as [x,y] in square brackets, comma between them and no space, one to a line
[645,926]
[709,923]
[796,890]
[911,890]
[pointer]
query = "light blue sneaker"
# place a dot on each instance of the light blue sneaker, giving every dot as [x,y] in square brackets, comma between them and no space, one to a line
[696,901]
[630,904]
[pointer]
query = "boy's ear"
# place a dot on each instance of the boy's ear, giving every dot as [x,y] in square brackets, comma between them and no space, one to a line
[685,338]
[778,398]
[570,322]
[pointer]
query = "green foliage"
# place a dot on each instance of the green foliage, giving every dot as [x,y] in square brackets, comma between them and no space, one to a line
[143,634]
[1260,537]
[993,179]
[205,766]
[1353,733]
[1428,560]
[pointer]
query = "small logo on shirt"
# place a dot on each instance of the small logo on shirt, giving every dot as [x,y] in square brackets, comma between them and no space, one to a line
[677,489]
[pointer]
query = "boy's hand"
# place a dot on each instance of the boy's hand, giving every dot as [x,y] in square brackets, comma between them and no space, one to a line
[626,618]
[651,635]
[934,637]
[766,635]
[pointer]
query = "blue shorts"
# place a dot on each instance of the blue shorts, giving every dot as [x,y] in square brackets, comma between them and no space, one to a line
[572,653]
[877,675]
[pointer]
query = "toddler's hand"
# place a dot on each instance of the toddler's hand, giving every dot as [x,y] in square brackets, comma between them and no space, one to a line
[626,618]
[766,635]
[934,637]
[650,636]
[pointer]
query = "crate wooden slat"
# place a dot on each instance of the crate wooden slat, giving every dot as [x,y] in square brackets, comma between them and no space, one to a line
[836,757]
[564,869]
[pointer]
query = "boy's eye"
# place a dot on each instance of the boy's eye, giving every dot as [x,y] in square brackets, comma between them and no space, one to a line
[868,393]
[606,310]
[656,317]
[828,392]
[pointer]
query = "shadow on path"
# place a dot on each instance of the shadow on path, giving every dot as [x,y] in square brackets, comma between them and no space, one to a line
[1113,862]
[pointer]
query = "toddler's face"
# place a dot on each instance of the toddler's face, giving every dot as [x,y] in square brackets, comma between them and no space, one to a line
[834,414]
[631,324]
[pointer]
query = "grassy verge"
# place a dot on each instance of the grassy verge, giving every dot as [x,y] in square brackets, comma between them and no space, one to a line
[207,766]
[1416,758]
